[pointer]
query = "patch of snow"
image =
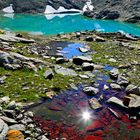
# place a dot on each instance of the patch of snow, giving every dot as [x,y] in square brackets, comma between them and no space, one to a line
[88,6]
[8,9]
[50,10]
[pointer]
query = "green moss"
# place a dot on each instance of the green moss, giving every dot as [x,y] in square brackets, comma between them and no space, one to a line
[23,85]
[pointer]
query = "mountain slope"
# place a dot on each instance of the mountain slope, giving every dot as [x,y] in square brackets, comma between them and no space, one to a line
[126,10]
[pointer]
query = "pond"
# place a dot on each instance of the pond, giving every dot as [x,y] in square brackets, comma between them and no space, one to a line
[62,23]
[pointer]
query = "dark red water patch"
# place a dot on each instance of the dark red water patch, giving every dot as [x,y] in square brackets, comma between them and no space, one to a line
[61,117]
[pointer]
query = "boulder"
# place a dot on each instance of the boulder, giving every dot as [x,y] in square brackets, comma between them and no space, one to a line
[89,39]
[5,100]
[60,60]
[6,58]
[122,81]
[114,73]
[83,50]
[98,67]
[105,87]
[12,38]
[99,39]
[132,89]
[115,86]
[87,66]
[79,60]
[19,127]
[3,130]
[91,90]
[8,120]
[94,103]
[65,71]
[2,79]
[134,101]
[48,74]
[115,100]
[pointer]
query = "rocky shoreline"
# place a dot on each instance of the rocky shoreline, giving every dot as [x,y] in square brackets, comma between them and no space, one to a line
[28,72]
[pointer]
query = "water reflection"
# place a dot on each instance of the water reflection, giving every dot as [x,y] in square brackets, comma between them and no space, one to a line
[70,112]
[63,23]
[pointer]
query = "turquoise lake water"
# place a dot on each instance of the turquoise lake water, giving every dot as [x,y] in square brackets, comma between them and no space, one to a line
[62,23]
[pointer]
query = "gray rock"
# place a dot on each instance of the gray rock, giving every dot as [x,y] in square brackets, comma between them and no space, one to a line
[30,66]
[105,87]
[10,113]
[48,74]
[132,89]
[83,76]
[6,58]
[122,81]
[11,38]
[65,71]
[12,66]
[8,120]
[83,50]
[11,105]
[79,60]
[114,73]
[87,66]
[3,129]
[115,100]
[134,101]
[91,90]
[29,114]
[89,39]
[115,86]
[98,67]
[26,121]
[5,100]
[19,127]
[99,39]
[60,60]
[59,55]
[73,86]
[44,138]
[112,60]
[93,102]
[2,79]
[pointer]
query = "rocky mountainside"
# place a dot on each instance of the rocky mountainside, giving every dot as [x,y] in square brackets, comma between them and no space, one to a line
[127,10]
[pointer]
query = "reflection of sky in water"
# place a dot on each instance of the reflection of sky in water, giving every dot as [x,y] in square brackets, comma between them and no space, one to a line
[63,23]
[69,49]
[72,49]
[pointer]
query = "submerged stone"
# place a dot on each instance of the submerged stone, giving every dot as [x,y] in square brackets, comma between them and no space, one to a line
[94,103]
[91,90]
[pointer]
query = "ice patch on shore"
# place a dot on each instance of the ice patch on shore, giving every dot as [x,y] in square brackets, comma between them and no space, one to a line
[8,9]
[50,10]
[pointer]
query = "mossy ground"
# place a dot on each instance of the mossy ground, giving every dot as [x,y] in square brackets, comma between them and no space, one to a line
[25,85]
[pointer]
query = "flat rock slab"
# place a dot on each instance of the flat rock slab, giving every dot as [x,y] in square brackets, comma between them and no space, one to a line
[115,100]
[65,71]
[9,38]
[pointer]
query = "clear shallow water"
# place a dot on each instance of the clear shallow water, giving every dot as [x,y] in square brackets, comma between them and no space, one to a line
[62,23]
